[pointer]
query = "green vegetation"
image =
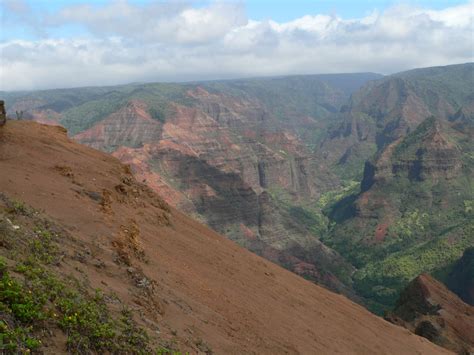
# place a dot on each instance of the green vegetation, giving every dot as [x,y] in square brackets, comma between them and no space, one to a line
[314,217]
[382,281]
[468,207]
[410,226]
[80,118]
[82,108]
[313,95]
[19,304]
[423,237]
[452,83]
[35,297]
[43,300]
[406,225]
[18,207]
[328,199]
[307,216]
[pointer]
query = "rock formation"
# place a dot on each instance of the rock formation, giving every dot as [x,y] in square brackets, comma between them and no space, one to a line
[430,310]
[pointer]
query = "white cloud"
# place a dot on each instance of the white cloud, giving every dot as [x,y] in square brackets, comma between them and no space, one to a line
[164,22]
[175,41]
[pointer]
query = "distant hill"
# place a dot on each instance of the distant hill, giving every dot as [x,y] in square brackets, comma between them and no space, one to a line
[384,110]
[412,135]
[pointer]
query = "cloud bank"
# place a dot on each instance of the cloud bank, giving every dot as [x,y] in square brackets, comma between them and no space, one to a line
[121,42]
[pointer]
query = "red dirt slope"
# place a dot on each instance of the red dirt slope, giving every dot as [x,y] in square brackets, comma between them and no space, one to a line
[429,309]
[205,286]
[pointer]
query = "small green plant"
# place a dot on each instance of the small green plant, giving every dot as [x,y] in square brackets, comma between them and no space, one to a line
[22,309]
[84,318]
[132,337]
[16,300]
[33,298]
[17,340]
[42,245]
[86,322]
[18,207]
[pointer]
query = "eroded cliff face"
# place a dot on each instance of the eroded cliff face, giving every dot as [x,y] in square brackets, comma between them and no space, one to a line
[386,110]
[428,154]
[413,213]
[131,126]
[222,161]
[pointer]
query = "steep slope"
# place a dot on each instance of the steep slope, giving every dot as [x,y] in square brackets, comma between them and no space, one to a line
[430,310]
[189,287]
[413,213]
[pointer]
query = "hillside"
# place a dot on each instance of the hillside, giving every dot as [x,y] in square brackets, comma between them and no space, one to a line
[76,223]
[430,310]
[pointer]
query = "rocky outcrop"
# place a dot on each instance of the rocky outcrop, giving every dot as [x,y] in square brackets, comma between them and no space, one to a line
[431,154]
[427,154]
[429,309]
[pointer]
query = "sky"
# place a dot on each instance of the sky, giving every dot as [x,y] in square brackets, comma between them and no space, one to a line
[69,43]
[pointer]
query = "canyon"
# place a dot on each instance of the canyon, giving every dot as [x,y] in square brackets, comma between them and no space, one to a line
[344,179]
[116,269]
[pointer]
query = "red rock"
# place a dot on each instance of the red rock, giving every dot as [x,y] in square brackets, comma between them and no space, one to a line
[429,309]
